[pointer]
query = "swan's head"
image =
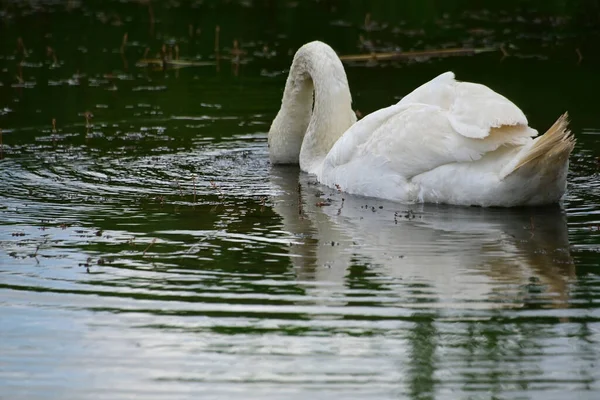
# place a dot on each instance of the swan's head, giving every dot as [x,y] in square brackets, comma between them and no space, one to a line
[315,109]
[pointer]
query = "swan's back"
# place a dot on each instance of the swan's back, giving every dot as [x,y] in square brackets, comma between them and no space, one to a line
[440,122]
[444,129]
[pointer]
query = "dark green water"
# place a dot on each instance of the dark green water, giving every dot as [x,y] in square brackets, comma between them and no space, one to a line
[124,272]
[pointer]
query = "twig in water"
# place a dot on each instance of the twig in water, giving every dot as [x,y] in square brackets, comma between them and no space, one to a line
[124,43]
[263,202]
[37,248]
[150,245]
[164,62]
[88,116]
[504,52]
[164,56]
[217,53]
[123,58]
[236,52]
[323,203]
[53,131]
[300,210]
[19,76]
[531,227]
[151,18]
[1,146]
[218,189]
[580,59]
[21,47]
[179,186]
[51,53]
[368,25]
[217,32]
[416,54]
[194,183]
[339,211]
[236,56]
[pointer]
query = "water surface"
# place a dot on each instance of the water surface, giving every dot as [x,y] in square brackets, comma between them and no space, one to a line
[152,251]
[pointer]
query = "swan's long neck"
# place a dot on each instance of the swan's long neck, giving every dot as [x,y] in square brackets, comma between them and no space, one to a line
[305,131]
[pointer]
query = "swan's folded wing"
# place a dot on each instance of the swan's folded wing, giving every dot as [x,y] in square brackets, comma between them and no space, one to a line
[345,149]
[477,109]
[437,92]
[420,137]
[473,109]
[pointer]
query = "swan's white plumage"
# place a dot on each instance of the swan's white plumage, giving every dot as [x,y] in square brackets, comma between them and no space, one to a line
[446,142]
[473,109]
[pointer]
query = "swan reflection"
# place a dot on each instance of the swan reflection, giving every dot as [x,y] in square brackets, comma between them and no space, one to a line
[430,256]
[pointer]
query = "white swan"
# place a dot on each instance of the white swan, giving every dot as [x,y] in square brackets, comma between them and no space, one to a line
[446,142]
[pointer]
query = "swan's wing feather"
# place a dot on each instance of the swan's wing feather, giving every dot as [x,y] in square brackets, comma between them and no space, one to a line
[477,109]
[440,122]
[429,93]
[437,92]
[421,137]
[346,147]
[473,109]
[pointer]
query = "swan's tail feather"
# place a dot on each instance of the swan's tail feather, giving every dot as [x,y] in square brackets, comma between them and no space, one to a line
[547,152]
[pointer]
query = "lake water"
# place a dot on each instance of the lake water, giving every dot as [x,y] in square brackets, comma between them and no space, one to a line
[151,251]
